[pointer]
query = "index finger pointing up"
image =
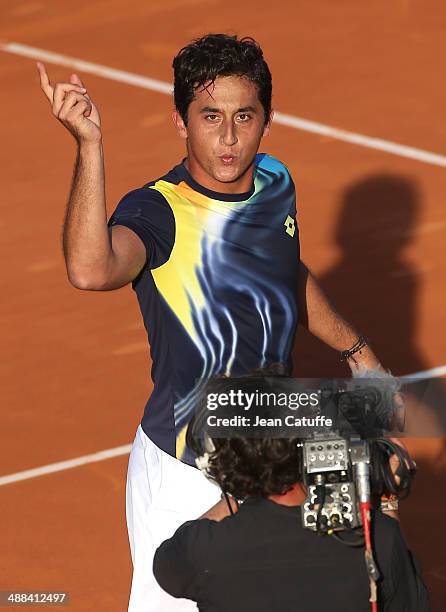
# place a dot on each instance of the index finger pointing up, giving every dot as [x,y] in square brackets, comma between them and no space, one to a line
[76,80]
[45,81]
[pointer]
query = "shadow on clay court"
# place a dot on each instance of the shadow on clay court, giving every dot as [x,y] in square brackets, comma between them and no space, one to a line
[372,283]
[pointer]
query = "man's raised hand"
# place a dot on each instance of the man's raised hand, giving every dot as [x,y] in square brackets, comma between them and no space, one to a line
[72,106]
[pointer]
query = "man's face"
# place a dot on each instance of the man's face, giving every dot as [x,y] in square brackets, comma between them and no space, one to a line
[225,125]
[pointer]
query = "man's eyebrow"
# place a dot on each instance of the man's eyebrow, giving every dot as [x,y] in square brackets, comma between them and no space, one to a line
[244,109]
[247,109]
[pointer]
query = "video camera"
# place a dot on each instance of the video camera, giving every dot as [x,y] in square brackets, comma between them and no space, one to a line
[350,463]
[332,466]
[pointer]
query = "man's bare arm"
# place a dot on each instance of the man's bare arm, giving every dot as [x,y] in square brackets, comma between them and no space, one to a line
[319,316]
[96,258]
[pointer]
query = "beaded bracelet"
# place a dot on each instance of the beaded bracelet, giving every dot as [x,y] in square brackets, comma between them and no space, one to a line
[360,344]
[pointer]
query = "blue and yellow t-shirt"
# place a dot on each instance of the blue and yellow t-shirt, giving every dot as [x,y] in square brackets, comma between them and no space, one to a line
[218,293]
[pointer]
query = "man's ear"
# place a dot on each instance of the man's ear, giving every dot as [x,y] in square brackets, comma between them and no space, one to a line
[267,128]
[179,124]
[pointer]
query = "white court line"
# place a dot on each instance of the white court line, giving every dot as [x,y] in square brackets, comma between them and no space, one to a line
[125,450]
[60,466]
[97,69]
[297,123]
[432,373]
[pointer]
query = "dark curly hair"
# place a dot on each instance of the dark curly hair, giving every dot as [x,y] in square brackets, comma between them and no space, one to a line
[205,59]
[256,467]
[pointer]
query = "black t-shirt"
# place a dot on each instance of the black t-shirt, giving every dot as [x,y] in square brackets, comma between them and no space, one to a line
[262,559]
[218,292]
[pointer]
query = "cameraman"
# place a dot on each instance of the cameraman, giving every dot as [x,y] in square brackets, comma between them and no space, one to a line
[262,559]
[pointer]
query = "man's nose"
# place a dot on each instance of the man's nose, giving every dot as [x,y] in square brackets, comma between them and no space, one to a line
[228,136]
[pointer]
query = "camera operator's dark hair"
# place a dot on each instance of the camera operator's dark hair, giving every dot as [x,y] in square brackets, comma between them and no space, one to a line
[255,467]
[205,59]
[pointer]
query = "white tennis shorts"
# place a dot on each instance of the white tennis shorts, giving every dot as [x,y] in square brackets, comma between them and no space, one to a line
[162,493]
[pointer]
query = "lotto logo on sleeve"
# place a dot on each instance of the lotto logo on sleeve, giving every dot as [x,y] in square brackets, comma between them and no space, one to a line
[290,226]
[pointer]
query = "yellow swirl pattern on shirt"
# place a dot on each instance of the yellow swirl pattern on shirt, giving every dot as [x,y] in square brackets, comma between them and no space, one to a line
[180,442]
[177,280]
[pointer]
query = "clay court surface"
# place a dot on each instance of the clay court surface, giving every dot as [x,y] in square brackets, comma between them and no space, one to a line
[75,369]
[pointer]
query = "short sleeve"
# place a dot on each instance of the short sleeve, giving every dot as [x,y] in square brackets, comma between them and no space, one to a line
[146,212]
[176,564]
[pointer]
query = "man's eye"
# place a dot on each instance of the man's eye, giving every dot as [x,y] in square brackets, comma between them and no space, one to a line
[212,117]
[243,117]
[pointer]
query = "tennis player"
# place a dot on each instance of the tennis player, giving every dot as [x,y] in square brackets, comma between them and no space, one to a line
[212,252]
